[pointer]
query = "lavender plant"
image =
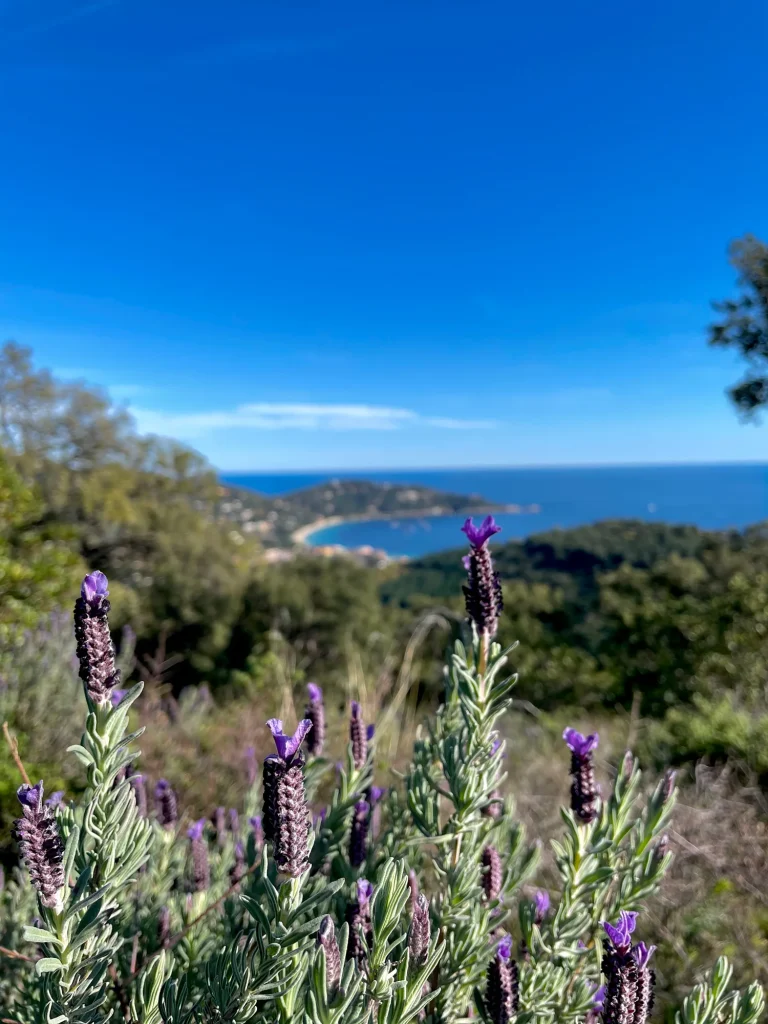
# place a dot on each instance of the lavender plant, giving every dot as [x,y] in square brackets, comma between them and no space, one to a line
[385,906]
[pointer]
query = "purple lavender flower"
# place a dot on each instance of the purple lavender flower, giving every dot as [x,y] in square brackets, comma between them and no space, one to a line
[326,937]
[201,872]
[358,836]
[116,696]
[288,746]
[370,732]
[668,784]
[358,736]
[139,790]
[482,592]
[478,536]
[251,766]
[286,816]
[55,799]
[95,651]
[165,802]
[620,933]
[541,905]
[596,1009]
[40,845]
[585,792]
[493,873]
[358,917]
[628,995]
[420,931]
[502,985]
[315,713]
[234,821]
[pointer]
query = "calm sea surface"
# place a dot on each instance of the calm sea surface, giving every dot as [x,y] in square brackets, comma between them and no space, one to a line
[713,497]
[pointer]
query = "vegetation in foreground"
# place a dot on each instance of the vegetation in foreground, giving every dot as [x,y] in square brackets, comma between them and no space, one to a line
[387,905]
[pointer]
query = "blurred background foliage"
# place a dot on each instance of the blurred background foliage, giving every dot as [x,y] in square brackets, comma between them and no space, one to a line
[655,634]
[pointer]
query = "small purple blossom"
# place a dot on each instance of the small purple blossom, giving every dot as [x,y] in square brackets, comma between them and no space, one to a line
[598,999]
[95,586]
[31,796]
[643,954]
[478,536]
[314,692]
[578,744]
[505,948]
[55,799]
[195,831]
[541,905]
[620,933]
[370,732]
[288,746]
[364,892]
[116,696]
[376,793]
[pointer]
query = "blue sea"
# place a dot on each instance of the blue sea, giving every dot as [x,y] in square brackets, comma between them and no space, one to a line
[712,497]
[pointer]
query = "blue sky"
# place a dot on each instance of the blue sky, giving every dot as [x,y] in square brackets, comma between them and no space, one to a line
[344,235]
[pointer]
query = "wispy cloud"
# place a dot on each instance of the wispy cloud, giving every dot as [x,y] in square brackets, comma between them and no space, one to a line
[293,416]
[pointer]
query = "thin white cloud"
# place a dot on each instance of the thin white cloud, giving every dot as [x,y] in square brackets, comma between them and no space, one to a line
[292,416]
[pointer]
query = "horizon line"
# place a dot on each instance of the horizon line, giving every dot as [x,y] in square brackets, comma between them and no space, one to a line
[492,466]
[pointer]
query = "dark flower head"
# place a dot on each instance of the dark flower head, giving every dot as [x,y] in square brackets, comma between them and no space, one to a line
[95,587]
[643,953]
[502,985]
[116,696]
[580,745]
[541,904]
[364,892]
[315,713]
[620,934]
[55,799]
[40,845]
[288,746]
[314,692]
[420,931]
[358,837]
[195,831]
[478,536]
[358,736]
[165,799]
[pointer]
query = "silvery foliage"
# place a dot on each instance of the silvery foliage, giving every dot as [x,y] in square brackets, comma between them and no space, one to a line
[132,941]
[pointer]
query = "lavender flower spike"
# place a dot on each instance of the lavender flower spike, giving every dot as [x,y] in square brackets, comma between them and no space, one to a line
[315,713]
[201,872]
[326,937]
[502,997]
[585,792]
[482,592]
[358,837]
[478,536]
[94,643]
[288,746]
[358,736]
[40,844]
[419,933]
[165,800]
[358,916]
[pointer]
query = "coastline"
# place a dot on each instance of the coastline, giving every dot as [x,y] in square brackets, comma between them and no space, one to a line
[302,535]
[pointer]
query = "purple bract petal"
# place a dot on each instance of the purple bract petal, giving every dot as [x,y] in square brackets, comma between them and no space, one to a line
[116,696]
[255,822]
[315,693]
[598,999]
[370,732]
[288,746]
[364,891]
[377,792]
[55,799]
[95,586]
[480,535]
[643,954]
[620,933]
[505,948]
[31,796]
[362,807]
[541,901]
[195,831]
[580,745]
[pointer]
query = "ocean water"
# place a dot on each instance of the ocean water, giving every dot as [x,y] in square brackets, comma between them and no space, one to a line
[712,497]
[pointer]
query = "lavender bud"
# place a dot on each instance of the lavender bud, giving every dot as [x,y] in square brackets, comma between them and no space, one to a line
[234,822]
[40,845]
[661,849]
[258,831]
[165,804]
[482,592]
[413,885]
[201,872]
[326,937]
[493,874]
[139,790]
[627,764]
[358,737]
[419,933]
[541,906]
[251,766]
[585,792]
[95,651]
[286,816]
[668,784]
[315,713]
[502,986]
[164,927]
[55,799]
[358,837]
[358,917]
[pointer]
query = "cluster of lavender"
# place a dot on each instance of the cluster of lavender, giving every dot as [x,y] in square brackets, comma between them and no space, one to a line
[283,911]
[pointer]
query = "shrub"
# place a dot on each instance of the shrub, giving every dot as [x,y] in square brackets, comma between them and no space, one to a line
[390,906]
